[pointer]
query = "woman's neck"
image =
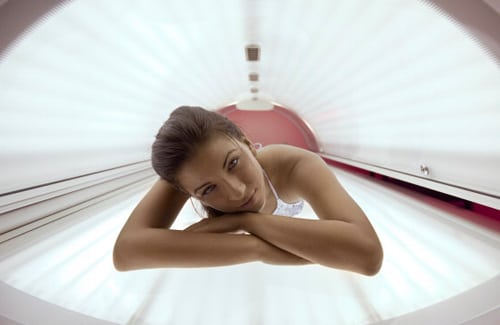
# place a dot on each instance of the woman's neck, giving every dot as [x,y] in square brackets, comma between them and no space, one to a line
[270,199]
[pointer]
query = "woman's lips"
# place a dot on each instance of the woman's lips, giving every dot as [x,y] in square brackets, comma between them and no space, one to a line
[248,202]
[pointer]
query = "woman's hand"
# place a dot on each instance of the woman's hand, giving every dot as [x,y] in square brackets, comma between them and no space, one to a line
[235,223]
[228,223]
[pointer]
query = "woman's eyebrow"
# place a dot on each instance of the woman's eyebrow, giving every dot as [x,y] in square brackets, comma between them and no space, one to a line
[227,156]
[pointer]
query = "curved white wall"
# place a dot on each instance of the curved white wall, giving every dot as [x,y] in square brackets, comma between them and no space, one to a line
[418,91]
[394,83]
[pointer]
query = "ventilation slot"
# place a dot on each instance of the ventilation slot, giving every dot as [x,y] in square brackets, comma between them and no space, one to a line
[253,52]
[253,76]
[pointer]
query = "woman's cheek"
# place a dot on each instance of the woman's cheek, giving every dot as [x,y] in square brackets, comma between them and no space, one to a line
[218,204]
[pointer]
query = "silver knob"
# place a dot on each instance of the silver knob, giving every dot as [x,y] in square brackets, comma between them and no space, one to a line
[424,169]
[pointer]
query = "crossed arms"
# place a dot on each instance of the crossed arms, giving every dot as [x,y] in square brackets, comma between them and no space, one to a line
[341,238]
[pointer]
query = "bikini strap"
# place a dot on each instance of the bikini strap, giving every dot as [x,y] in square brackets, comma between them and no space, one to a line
[271,185]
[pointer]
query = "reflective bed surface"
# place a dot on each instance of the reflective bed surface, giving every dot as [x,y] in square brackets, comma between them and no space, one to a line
[432,252]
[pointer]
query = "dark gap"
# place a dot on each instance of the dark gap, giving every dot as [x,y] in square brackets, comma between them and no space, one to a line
[450,199]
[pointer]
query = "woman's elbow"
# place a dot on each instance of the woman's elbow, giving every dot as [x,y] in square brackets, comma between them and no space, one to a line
[120,260]
[373,259]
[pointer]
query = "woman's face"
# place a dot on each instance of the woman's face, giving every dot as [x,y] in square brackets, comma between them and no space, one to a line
[224,174]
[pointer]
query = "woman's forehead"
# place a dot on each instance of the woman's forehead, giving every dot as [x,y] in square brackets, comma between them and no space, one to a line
[216,144]
[209,158]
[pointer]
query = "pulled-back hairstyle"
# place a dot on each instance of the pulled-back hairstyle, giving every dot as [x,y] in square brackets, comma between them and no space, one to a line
[179,137]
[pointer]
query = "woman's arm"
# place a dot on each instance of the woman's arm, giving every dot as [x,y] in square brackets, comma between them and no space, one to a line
[333,243]
[155,248]
[343,238]
[144,241]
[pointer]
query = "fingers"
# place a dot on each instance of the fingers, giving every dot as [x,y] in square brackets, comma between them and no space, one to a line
[215,225]
[207,225]
[195,226]
[228,223]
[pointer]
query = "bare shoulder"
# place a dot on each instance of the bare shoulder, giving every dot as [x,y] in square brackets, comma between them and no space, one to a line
[300,173]
[283,156]
[281,162]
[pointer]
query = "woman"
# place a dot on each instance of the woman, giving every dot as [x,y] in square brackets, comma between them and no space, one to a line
[247,195]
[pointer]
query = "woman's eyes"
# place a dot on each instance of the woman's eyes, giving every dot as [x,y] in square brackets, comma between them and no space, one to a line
[208,189]
[233,163]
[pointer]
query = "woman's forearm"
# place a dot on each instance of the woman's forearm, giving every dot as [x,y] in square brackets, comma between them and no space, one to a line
[331,243]
[156,248]
[270,254]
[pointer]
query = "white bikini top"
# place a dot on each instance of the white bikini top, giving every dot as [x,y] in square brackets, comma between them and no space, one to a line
[283,208]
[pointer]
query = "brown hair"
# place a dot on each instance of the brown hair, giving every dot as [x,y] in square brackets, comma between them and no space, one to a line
[185,130]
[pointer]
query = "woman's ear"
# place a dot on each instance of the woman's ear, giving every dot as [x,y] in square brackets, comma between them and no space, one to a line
[250,146]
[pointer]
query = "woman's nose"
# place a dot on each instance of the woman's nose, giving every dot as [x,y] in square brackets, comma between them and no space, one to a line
[236,190]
